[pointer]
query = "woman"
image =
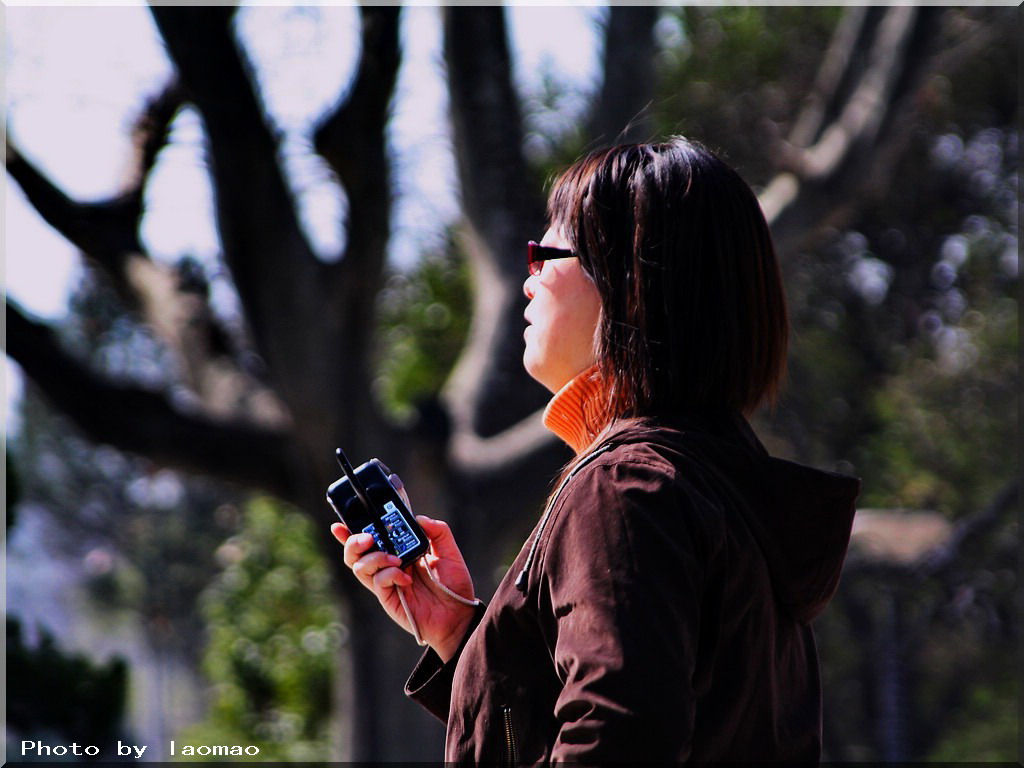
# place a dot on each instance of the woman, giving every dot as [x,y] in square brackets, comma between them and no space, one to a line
[660,609]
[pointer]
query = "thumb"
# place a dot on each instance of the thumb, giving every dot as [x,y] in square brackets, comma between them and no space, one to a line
[441,539]
[340,531]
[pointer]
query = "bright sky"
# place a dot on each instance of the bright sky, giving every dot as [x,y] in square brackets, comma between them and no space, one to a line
[76,78]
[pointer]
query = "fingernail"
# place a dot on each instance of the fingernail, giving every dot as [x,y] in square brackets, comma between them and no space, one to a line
[397,482]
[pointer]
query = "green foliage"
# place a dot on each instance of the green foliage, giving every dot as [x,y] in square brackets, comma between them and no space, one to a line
[986,730]
[923,296]
[424,319]
[146,537]
[969,711]
[944,436]
[91,700]
[274,636]
[945,415]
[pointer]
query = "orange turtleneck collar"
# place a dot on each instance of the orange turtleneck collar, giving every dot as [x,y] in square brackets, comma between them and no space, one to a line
[574,413]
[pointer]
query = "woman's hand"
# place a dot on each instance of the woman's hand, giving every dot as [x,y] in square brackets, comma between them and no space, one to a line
[441,620]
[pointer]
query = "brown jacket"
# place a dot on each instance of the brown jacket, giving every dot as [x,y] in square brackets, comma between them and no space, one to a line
[662,612]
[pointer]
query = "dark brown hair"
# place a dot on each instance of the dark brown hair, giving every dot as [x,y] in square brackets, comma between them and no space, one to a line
[693,311]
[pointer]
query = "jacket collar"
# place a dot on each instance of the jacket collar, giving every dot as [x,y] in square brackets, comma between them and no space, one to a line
[574,413]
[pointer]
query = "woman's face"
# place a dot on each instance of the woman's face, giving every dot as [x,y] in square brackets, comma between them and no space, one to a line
[562,319]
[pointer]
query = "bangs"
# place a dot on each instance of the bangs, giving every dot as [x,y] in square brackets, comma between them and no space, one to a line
[571,190]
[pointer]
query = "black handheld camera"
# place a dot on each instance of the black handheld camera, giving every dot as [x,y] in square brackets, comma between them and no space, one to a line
[367,502]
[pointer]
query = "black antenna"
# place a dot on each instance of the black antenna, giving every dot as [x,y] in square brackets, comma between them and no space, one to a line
[357,486]
[364,498]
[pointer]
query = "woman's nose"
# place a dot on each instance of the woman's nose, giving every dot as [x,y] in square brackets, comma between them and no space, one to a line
[528,287]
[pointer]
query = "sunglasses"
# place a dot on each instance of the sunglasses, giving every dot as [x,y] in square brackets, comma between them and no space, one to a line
[537,254]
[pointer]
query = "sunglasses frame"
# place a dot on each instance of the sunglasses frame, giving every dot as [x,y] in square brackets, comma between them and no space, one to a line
[537,254]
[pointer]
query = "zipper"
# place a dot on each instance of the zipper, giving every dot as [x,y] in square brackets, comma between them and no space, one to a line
[511,753]
[522,579]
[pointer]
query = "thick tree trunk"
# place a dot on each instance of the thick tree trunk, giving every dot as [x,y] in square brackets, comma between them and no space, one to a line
[623,109]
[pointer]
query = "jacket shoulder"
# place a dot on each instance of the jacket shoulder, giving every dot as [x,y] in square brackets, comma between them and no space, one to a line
[633,496]
[643,476]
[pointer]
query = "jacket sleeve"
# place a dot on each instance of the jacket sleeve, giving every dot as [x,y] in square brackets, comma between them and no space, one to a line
[621,589]
[430,684]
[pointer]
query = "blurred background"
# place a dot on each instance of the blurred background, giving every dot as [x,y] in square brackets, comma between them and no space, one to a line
[236,238]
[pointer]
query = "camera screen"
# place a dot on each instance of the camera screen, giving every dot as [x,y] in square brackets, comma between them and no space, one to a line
[402,537]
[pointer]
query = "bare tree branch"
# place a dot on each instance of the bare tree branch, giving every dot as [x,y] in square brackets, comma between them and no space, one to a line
[260,233]
[836,68]
[961,47]
[151,131]
[107,235]
[488,136]
[142,421]
[621,112]
[826,175]
[479,456]
[312,357]
[489,390]
[352,138]
[969,529]
[865,111]
[106,231]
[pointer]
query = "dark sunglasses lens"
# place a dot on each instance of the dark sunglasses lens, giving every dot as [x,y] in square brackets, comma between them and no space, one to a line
[534,262]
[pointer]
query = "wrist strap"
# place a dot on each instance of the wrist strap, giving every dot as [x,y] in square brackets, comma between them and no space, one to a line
[434,578]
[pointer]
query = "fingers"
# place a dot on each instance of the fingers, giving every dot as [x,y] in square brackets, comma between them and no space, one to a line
[368,566]
[356,546]
[376,570]
[389,577]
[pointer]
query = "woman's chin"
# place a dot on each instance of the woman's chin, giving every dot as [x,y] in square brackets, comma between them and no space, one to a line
[531,364]
[528,363]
